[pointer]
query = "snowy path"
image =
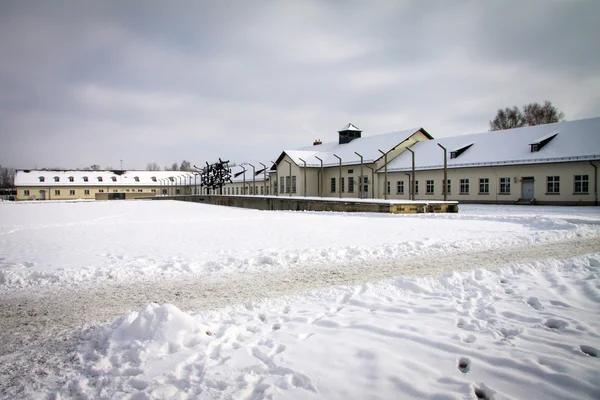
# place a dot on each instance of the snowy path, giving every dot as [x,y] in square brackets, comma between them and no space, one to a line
[49,317]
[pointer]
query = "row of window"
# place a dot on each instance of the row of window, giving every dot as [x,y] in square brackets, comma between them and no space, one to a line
[581,185]
[351,184]
[86,192]
[99,178]
[236,190]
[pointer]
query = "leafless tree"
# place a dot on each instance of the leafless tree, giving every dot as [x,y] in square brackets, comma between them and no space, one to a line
[532,114]
[152,167]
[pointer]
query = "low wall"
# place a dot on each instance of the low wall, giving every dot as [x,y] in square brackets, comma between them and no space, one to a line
[311,204]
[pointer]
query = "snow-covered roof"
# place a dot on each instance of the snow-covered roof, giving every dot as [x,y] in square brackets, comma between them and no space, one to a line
[368,147]
[95,178]
[574,140]
[349,127]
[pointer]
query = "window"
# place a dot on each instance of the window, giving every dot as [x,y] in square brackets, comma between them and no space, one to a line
[350,171]
[153,190]
[389,187]
[57,192]
[293,183]
[429,187]
[281,184]
[71,179]
[42,179]
[102,191]
[332,185]
[464,186]
[85,178]
[72,192]
[56,179]
[505,185]
[26,192]
[86,192]
[342,181]
[350,184]
[115,190]
[237,190]
[139,190]
[553,184]
[153,179]
[366,184]
[99,179]
[416,187]
[484,186]
[262,190]
[114,178]
[136,178]
[400,187]
[287,184]
[581,184]
[164,191]
[178,191]
[251,189]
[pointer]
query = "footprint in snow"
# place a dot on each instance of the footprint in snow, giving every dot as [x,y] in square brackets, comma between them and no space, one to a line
[555,323]
[590,351]
[464,365]
[484,393]
[534,303]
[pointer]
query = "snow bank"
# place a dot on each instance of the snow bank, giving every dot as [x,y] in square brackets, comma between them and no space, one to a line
[529,331]
[89,243]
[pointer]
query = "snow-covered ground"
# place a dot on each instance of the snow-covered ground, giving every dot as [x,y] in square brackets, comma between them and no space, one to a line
[494,302]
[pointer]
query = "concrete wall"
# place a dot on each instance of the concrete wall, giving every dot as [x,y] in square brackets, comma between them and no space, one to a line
[284,203]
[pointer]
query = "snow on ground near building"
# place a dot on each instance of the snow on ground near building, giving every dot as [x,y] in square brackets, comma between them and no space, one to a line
[82,242]
[527,330]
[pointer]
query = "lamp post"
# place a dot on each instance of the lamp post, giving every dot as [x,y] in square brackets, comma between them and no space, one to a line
[340,182]
[304,191]
[360,180]
[243,179]
[445,184]
[320,182]
[276,177]
[290,176]
[264,177]
[413,172]
[179,180]
[385,183]
[372,180]
[253,179]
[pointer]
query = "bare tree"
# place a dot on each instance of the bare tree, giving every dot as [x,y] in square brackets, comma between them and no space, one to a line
[532,114]
[7,177]
[537,114]
[152,167]
[185,166]
[507,118]
[173,167]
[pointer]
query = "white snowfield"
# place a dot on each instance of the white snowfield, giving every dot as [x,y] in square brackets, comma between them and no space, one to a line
[496,302]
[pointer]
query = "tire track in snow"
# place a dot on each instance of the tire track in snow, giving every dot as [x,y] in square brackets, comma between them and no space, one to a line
[39,326]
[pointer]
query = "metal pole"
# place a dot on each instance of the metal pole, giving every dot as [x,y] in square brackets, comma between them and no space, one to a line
[360,181]
[264,177]
[413,172]
[276,177]
[409,187]
[340,182]
[445,184]
[372,181]
[385,183]
[244,180]
[304,175]
[320,182]
[290,176]
[253,179]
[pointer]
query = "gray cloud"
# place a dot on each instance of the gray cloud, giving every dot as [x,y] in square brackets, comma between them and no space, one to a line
[97,82]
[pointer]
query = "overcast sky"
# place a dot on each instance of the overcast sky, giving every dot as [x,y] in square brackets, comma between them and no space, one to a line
[85,82]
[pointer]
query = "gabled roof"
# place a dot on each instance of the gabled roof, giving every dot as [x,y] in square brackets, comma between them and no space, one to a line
[368,147]
[27,177]
[570,140]
[349,127]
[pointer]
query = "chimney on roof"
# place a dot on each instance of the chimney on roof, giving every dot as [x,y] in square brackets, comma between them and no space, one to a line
[349,133]
[317,142]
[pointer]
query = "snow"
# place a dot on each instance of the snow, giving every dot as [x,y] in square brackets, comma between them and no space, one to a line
[121,178]
[576,140]
[514,315]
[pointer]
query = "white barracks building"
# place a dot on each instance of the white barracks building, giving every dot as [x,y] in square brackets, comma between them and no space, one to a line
[546,164]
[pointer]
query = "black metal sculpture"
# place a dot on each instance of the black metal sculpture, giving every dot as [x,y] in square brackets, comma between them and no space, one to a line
[214,176]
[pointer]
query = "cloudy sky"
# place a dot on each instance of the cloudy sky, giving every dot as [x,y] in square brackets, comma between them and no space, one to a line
[85,82]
